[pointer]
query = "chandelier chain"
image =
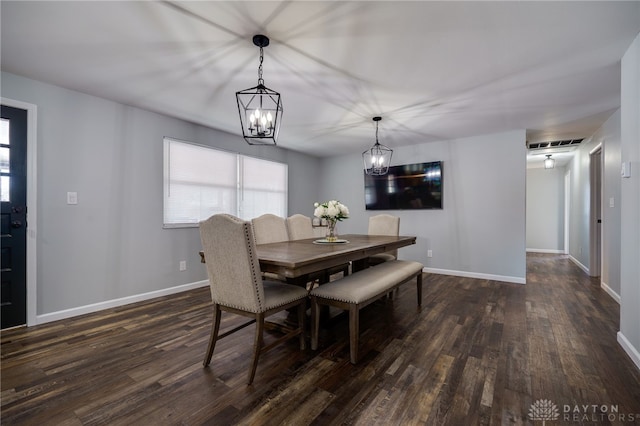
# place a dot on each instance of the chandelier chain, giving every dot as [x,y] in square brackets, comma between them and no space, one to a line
[260,80]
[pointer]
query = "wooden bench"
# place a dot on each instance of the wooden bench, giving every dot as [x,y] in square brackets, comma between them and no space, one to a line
[358,290]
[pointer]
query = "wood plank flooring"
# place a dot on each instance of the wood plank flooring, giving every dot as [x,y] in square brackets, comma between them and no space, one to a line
[479,352]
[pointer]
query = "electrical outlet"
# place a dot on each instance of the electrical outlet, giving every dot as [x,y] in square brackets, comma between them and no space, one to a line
[183,265]
[429,253]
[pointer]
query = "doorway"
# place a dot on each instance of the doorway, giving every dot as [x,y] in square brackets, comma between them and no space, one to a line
[13,197]
[567,211]
[595,215]
[32,202]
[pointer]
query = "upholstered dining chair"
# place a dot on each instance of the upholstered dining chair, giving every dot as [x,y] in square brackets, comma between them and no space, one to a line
[300,227]
[237,285]
[384,224]
[270,228]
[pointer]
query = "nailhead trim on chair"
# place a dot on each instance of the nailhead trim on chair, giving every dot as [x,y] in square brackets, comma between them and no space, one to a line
[256,275]
[231,278]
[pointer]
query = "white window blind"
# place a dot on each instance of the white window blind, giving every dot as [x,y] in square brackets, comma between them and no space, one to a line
[200,181]
[264,188]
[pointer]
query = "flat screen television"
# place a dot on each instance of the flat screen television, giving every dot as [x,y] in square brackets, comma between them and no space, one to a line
[407,187]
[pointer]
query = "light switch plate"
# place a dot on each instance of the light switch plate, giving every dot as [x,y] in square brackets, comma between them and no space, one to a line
[625,171]
[72,198]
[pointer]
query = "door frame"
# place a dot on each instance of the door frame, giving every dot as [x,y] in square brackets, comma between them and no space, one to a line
[567,211]
[596,181]
[32,205]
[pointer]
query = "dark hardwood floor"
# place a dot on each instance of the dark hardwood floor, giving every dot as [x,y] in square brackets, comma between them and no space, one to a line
[478,352]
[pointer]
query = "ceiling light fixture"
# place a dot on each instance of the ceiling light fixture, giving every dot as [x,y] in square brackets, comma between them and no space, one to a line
[260,108]
[377,159]
[549,163]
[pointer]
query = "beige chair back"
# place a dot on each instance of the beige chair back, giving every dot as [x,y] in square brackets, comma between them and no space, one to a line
[300,227]
[385,224]
[233,268]
[270,228]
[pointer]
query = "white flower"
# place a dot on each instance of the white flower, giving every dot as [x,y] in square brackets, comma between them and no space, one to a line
[331,210]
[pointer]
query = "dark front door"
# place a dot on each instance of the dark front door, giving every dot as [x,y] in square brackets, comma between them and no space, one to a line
[13,196]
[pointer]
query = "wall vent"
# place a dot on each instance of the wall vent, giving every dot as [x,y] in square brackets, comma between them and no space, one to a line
[555,144]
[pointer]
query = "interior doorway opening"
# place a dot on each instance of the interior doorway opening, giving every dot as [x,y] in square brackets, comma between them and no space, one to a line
[595,214]
[567,211]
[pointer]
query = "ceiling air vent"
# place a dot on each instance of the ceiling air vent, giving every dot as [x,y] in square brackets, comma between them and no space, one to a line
[555,144]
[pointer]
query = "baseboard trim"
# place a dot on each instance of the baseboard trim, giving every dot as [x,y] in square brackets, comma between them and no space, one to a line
[629,349]
[615,296]
[533,250]
[516,280]
[107,304]
[580,265]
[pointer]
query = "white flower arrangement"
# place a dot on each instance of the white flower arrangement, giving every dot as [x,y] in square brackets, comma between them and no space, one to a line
[332,211]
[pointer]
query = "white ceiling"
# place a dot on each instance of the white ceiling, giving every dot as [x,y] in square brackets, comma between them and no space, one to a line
[433,70]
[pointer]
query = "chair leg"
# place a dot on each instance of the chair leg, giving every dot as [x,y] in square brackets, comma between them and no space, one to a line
[419,285]
[302,313]
[354,331]
[257,346]
[215,327]
[315,323]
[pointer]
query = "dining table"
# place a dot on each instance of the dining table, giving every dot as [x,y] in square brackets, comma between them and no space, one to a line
[295,260]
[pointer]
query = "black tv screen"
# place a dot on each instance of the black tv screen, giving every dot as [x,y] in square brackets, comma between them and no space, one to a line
[407,187]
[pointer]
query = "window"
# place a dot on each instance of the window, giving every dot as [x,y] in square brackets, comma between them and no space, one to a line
[201,181]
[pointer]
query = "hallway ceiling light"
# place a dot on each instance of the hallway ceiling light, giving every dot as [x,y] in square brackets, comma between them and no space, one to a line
[549,163]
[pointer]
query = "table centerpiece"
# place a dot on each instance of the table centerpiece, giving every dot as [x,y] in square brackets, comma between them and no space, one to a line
[333,212]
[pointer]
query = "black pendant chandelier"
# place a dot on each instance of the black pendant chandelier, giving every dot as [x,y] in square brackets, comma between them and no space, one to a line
[377,159]
[260,108]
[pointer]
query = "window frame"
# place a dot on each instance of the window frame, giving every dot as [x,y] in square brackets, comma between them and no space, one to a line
[239,181]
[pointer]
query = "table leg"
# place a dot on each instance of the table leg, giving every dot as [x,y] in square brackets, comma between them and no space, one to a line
[359,265]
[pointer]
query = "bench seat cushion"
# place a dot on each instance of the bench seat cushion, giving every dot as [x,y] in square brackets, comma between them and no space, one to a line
[363,285]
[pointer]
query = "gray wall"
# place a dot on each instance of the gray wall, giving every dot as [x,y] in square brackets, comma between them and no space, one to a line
[579,206]
[629,335]
[481,229]
[580,233]
[545,209]
[111,244]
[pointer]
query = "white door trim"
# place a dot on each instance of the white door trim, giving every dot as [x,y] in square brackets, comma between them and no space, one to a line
[596,180]
[567,211]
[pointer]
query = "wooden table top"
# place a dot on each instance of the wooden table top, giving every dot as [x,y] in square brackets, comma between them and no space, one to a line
[296,258]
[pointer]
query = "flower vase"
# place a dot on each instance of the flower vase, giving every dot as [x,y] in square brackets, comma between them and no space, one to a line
[332,236]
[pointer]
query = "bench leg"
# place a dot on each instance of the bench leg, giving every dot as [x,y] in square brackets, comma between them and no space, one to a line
[419,288]
[315,323]
[354,331]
